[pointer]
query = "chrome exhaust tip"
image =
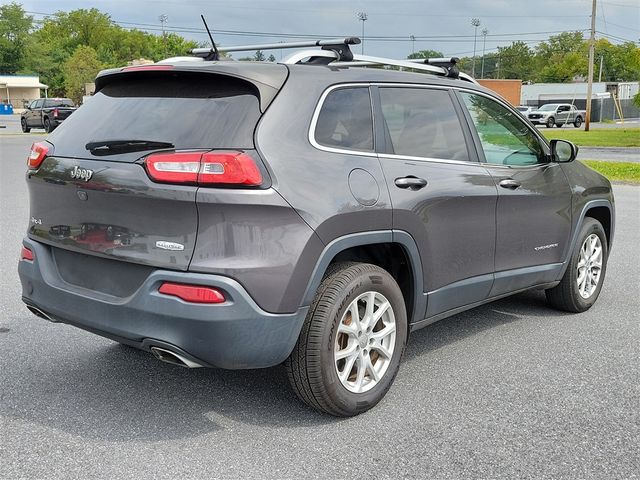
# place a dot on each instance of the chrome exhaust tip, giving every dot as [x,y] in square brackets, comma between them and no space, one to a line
[39,313]
[167,356]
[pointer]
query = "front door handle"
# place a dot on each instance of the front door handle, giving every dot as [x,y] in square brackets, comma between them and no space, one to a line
[411,182]
[509,183]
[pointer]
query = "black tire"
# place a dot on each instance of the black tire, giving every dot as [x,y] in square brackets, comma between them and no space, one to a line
[23,124]
[551,122]
[47,125]
[311,367]
[578,122]
[565,296]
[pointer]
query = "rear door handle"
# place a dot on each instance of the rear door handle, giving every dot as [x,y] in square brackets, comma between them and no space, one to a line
[411,182]
[509,183]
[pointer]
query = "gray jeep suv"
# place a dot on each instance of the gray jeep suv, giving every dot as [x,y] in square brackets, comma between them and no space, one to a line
[241,215]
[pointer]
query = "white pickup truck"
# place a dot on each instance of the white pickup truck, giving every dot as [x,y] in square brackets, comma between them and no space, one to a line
[558,114]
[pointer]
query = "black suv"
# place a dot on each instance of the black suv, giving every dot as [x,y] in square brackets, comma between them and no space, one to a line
[46,113]
[312,212]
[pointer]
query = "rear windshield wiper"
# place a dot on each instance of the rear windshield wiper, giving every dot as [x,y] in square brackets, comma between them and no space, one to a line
[113,147]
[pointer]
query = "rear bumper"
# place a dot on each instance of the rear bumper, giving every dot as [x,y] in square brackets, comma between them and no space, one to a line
[236,334]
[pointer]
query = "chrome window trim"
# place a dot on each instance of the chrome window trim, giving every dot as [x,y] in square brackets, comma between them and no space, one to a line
[316,114]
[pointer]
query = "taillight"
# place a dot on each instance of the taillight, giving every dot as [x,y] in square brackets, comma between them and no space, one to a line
[38,153]
[55,113]
[26,254]
[192,293]
[210,168]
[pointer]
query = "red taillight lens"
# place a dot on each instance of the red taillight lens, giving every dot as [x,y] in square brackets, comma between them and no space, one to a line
[55,113]
[38,153]
[234,168]
[210,168]
[26,254]
[192,293]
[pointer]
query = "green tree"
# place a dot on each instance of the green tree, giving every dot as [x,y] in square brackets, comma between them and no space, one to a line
[15,26]
[81,67]
[636,99]
[563,57]
[259,56]
[515,61]
[271,58]
[426,54]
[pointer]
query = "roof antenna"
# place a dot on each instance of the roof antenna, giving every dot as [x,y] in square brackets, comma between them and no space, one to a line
[214,55]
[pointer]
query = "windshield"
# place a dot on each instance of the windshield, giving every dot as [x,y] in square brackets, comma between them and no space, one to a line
[548,107]
[186,110]
[58,102]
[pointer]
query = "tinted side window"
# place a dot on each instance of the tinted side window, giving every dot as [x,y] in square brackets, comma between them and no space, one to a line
[38,103]
[422,123]
[506,140]
[345,120]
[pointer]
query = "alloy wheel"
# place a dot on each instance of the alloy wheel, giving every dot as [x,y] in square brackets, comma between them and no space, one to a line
[589,265]
[365,342]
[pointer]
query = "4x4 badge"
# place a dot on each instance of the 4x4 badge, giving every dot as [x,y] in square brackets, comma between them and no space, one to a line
[81,173]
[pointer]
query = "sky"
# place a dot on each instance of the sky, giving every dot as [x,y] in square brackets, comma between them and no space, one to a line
[439,25]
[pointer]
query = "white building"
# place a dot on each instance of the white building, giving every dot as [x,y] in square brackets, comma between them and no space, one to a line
[19,90]
[540,93]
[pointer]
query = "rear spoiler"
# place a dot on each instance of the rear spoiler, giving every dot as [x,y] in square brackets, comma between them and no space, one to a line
[266,78]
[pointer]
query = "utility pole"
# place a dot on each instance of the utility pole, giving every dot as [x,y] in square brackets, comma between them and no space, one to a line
[163,19]
[413,43]
[362,16]
[476,23]
[485,32]
[592,43]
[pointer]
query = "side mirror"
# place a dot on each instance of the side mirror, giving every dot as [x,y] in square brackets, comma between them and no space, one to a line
[563,151]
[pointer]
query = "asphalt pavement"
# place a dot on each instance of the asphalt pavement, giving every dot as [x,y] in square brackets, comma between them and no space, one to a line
[509,390]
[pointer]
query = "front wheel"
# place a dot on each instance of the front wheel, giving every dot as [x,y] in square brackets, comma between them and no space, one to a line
[349,350]
[551,122]
[578,122]
[581,284]
[23,124]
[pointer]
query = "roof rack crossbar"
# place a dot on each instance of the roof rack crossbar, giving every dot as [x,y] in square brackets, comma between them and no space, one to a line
[333,44]
[439,66]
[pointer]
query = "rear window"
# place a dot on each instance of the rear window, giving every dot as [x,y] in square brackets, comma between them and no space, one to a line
[188,110]
[58,102]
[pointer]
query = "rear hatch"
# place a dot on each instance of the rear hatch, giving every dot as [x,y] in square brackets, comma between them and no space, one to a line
[94,193]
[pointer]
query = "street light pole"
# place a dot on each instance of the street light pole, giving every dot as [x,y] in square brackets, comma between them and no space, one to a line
[485,32]
[362,16]
[413,43]
[476,23]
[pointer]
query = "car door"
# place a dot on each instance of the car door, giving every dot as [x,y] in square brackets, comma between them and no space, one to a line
[533,215]
[563,114]
[441,196]
[29,115]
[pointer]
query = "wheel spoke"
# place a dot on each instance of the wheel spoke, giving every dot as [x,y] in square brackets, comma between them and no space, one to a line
[348,366]
[386,331]
[347,352]
[372,369]
[350,330]
[381,349]
[361,370]
[355,316]
[380,312]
